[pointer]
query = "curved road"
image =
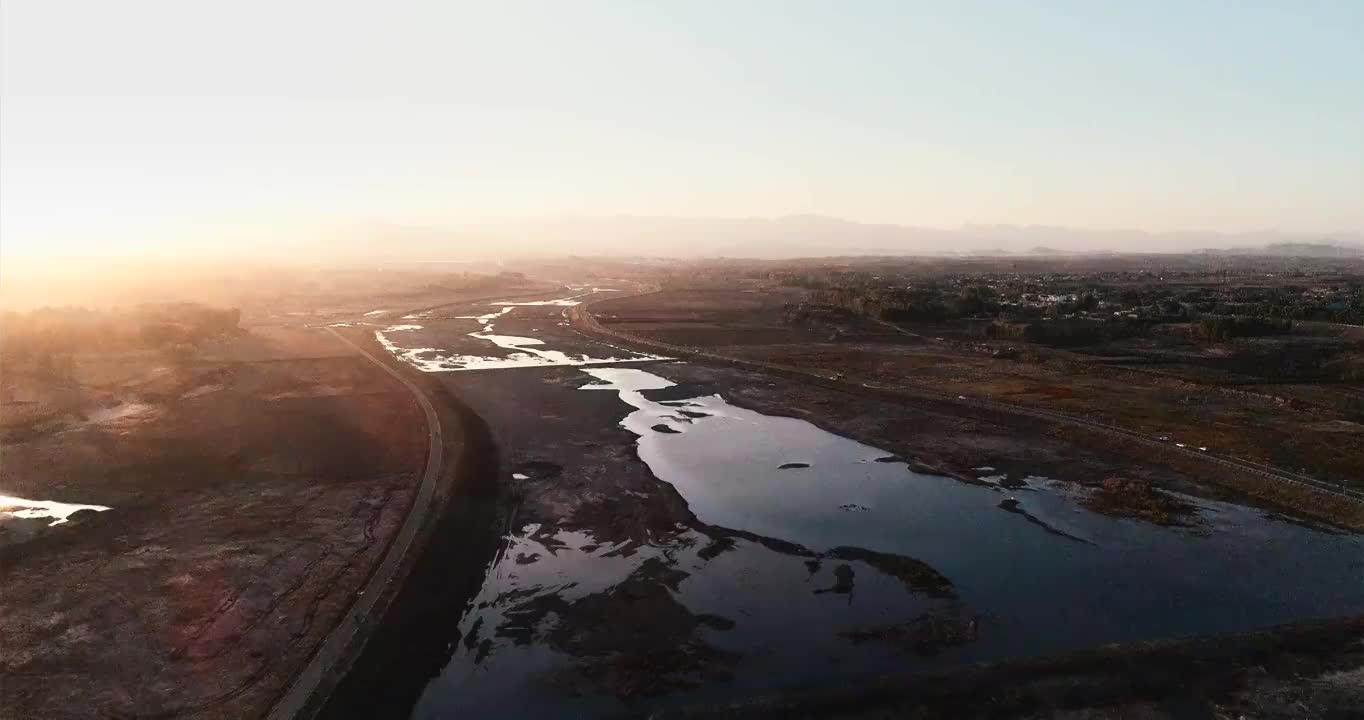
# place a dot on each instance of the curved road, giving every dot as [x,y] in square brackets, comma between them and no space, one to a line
[348,635]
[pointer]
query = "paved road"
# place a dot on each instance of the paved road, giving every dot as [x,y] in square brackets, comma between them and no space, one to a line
[353,629]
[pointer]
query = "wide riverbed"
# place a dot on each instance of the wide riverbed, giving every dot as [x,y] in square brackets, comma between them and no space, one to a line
[812,557]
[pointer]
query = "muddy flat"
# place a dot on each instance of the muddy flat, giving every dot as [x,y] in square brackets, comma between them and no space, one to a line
[245,498]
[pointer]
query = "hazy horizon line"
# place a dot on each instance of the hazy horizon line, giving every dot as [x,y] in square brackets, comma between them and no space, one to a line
[808,234]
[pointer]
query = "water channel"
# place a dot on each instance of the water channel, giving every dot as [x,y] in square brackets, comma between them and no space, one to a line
[816,557]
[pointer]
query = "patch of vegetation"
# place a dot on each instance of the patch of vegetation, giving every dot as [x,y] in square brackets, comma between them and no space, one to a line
[1222,328]
[1124,497]
[925,635]
[917,576]
[45,340]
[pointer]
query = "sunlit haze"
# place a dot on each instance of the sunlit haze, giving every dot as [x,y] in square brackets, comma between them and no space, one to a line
[833,359]
[209,129]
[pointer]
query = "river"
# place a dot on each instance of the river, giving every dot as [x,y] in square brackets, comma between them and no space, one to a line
[813,557]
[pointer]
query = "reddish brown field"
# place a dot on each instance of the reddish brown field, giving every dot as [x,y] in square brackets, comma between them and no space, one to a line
[252,492]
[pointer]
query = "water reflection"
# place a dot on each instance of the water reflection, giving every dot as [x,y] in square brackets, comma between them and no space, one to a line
[569,624]
[812,558]
[522,352]
[1029,559]
[59,512]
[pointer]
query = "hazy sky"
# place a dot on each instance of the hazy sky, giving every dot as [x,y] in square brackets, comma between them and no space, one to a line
[209,120]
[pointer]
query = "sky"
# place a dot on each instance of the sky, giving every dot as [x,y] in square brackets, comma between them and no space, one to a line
[177,125]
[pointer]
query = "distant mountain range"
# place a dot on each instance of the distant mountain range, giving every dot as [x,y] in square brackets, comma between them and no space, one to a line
[1294,249]
[789,236]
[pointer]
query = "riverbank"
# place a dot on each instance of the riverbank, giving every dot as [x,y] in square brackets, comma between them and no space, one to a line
[1309,670]
[1214,476]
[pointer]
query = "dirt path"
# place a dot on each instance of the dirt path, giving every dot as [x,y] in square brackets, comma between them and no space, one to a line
[408,641]
[351,633]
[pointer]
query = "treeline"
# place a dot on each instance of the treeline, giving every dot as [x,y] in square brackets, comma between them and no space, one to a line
[1342,303]
[1338,301]
[475,281]
[927,303]
[50,336]
[1070,332]
[1075,315]
[826,280]
[1222,328]
[1089,331]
